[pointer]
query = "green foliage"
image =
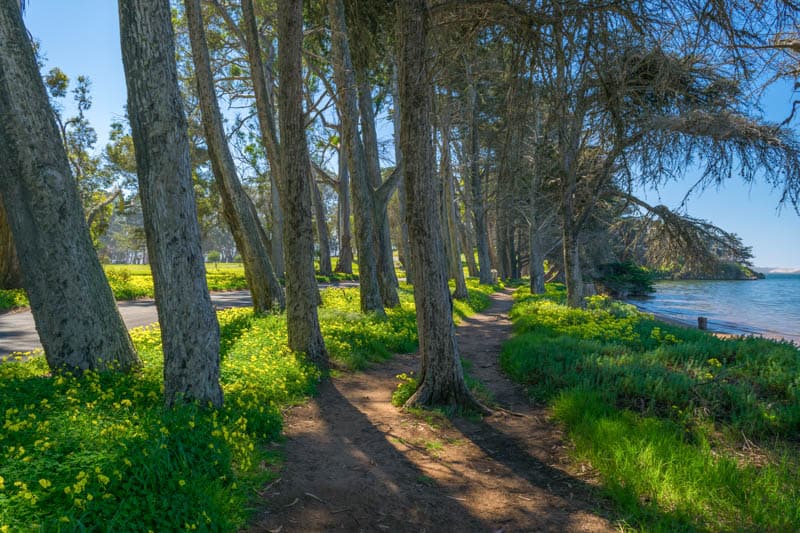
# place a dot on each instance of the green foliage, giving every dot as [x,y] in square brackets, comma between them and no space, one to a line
[102,449]
[623,280]
[646,402]
[12,298]
[405,389]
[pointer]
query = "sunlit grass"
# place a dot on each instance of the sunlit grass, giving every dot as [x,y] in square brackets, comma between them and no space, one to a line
[101,450]
[666,414]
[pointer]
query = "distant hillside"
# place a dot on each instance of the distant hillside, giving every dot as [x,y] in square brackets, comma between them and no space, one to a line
[777,270]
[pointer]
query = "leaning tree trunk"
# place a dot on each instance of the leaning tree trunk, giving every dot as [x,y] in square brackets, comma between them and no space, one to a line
[387,278]
[345,262]
[441,379]
[243,222]
[321,219]
[363,201]
[78,322]
[536,259]
[10,274]
[302,293]
[189,328]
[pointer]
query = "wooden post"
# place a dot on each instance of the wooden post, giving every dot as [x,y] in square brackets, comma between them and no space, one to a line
[702,322]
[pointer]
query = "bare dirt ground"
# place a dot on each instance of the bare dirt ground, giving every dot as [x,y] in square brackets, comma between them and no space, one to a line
[354,462]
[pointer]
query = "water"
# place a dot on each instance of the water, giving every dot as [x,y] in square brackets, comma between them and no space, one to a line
[769,307]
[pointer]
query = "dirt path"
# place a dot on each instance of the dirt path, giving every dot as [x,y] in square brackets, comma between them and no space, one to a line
[356,463]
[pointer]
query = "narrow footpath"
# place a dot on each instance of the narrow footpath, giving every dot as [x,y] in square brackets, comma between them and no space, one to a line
[354,462]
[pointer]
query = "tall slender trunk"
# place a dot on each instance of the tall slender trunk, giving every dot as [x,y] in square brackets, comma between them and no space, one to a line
[476,185]
[449,211]
[276,242]
[344,263]
[405,254]
[536,260]
[387,278]
[73,307]
[302,293]
[441,379]
[363,201]
[10,274]
[189,328]
[467,235]
[572,266]
[321,219]
[237,208]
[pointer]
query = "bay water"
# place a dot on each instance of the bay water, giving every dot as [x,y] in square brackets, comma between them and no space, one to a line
[768,307]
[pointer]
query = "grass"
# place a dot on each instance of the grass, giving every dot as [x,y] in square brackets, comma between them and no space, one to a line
[688,431]
[131,282]
[101,450]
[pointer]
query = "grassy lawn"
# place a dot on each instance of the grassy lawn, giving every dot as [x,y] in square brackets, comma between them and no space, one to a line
[102,450]
[688,431]
[130,282]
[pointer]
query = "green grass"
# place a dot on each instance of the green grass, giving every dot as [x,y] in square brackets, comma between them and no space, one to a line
[131,282]
[101,450]
[667,415]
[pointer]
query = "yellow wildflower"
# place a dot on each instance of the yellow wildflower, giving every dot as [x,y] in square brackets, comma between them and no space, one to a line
[45,483]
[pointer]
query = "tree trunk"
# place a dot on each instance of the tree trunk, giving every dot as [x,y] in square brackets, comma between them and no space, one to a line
[189,328]
[476,186]
[441,379]
[536,262]
[449,212]
[363,201]
[387,278]
[405,255]
[243,221]
[302,293]
[325,267]
[77,320]
[268,128]
[277,227]
[344,263]
[10,275]
[572,268]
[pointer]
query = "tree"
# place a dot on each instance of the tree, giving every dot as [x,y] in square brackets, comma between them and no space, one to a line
[72,304]
[302,293]
[237,206]
[363,201]
[189,328]
[441,379]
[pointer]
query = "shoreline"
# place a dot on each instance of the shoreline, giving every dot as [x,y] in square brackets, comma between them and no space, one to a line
[671,320]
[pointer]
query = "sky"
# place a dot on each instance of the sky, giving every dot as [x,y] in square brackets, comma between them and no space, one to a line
[82,38]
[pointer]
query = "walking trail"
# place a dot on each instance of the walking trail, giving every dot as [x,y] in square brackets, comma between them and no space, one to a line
[354,462]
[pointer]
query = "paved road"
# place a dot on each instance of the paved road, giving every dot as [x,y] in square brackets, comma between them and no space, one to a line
[18,332]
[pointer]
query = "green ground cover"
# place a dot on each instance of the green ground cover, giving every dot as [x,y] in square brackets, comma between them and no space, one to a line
[101,450]
[130,282]
[688,431]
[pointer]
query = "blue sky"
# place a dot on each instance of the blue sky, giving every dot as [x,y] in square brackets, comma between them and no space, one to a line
[82,37]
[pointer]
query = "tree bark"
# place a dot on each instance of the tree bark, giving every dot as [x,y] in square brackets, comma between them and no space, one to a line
[536,260]
[321,219]
[449,212]
[277,227]
[237,208]
[77,320]
[363,201]
[10,274]
[405,255]
[476,186]
[189,328]
[268,128]
[387,278]
[302,293]
[441,379]
[344,263]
